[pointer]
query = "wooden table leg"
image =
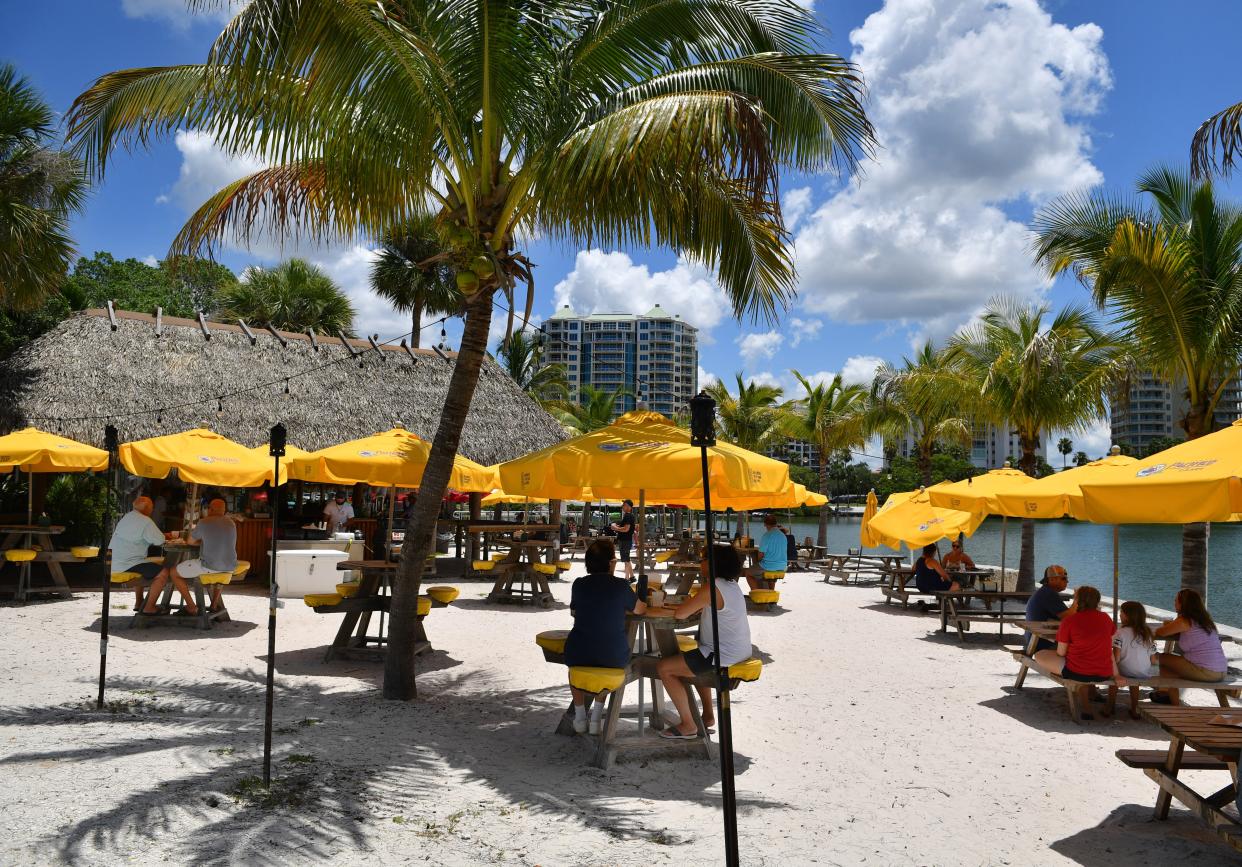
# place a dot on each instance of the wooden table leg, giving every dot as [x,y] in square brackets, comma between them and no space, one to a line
[344,634]
[1171,765]
[605,753]
[1022,669]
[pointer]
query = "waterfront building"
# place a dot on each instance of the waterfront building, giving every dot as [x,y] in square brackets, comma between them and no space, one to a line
[990,445]
[1154,408]
[653,357]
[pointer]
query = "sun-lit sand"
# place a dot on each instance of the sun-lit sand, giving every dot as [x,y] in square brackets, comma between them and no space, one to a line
[870,739]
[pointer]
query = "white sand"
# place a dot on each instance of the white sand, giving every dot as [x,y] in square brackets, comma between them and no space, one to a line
[869,740]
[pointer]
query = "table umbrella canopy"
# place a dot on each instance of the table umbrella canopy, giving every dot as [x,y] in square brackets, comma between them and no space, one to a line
[645,451]
[910,517]
[1197,480]
[793,496]
[866,536]
[395,458]
[978,494]
[34,451]
[1058,495]
[201,457]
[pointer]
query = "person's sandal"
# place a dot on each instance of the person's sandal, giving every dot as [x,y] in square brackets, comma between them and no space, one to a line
[673,734]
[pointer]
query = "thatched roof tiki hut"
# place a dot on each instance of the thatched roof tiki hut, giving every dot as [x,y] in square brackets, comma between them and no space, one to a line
[99,367]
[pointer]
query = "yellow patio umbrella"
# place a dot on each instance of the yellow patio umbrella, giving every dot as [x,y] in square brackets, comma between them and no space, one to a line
[497,497]
[978,494]
[34,451]
[199,456]
[866,536]
[292,453]
[395,458]
[794,495]
[1197,480]
[910,517]
[1059,495]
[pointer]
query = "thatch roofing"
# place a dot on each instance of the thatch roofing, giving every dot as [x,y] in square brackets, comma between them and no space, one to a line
[85,367]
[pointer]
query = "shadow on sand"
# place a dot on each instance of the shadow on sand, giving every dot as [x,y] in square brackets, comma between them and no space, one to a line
[1131,837]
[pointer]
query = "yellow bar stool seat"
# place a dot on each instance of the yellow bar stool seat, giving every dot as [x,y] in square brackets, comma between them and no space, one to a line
[595,680]
[564,565]
[665,556]
[545,568]
[764,597]
[241,570]
[208,578]
[124,577]
[85,552]
[443,595]
[497,557]
[424,606]
[686,643]
[314,600]
[348,590]
[20,555]
[483,565]
[772,576]
[552,640]
[746,670]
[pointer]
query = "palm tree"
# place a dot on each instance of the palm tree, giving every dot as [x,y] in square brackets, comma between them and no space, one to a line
[1081,459]
[622,122]
[1066,447]
[1222,132]
[924,399]
[595,409]
[521,356]
[832,416]
[751,419]
[293,296]
[1171,274]
[40,189]
[1037,373]
[404,275]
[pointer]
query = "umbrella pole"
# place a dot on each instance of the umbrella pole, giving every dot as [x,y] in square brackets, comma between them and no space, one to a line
[392,505]
[110,441]
[642,633]
[29,501]
[276,446]
[1116,570]
[1004,534]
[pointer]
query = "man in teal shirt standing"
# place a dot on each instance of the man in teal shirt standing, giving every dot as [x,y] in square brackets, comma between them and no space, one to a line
[774,551]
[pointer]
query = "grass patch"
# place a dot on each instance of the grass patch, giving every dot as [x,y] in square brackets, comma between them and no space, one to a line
[299,758]
[222,751]
[284,792]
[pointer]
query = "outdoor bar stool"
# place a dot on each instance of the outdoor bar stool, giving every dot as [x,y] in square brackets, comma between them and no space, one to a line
[552,642]
[442,596]
[483,565]
[315,600]
[424,606]
[544,568]
[214,580]
[23,557]
[687,643]
[85,552]
[596,680]
[764,599]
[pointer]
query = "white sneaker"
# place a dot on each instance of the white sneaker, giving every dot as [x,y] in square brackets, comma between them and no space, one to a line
[580,726]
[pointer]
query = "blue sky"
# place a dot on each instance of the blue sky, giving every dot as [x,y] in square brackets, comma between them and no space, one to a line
[985,109]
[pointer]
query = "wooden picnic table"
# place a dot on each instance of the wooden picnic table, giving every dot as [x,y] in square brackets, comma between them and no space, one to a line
[658,628]
[517,580]
[353,638]
[951,599]
[175,552]
[859,566]
[31,535]
[1215,747]
[686,573]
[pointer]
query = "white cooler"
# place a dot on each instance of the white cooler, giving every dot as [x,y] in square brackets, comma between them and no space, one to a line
[302,572]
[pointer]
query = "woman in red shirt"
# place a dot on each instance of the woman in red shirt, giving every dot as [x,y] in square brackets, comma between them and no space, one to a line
[1084,646]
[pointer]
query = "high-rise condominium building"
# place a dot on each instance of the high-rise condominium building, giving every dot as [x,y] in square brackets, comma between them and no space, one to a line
[1156,406]
[990,445]
[654,358]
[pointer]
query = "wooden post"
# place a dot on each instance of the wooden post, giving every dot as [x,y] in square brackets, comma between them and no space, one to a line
[476,511]
[554,517]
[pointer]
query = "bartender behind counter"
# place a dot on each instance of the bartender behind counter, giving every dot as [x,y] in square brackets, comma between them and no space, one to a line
[337,513]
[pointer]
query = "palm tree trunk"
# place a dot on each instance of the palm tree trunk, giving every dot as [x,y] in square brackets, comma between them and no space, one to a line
[420,533]
[416,316]
[822,540]
[1195,557]
[1026,560]
[925,466]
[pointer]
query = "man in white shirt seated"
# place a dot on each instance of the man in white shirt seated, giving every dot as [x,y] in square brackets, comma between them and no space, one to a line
[217,552]
[337,513]
[131,537]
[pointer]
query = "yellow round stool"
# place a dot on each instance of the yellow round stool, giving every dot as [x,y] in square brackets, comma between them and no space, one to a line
[686,643]
[315,600]
[596,680]
[424,606]
[348,590]
[483,565]
[746,670]
[553,640]
[772,576]
[443,595]
[124,577]
[241,570]
[765,597]
[20,555]
[85,552]
[545,568]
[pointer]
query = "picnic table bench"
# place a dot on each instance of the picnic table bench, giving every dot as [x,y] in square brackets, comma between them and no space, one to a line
[1026,662]
[953,609]
[857,566]
[1198,742]
[175,551]
[42,540]
[353,638]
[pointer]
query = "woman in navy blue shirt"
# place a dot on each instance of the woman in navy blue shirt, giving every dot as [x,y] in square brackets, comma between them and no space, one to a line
[599,603]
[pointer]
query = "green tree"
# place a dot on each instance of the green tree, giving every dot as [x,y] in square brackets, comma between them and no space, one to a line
[521,356]
[1037,372]
[595,409]
[19,327]
[40,189]
[832,416]
[293,296]
[750,419]
[1169,270]
[605,124]
[409,274]
[1217,144]
[925,399]
[1066,447]
[127,283]
[199,281]
[1159,444]
[1081,459]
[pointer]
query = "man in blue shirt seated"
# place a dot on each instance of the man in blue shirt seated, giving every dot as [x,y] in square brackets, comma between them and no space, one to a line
[774,551]
[1046,603]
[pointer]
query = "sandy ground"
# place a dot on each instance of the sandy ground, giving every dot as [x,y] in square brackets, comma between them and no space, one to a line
[870,739]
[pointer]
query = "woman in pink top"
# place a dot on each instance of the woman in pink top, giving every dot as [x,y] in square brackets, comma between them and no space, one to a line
[1200,655]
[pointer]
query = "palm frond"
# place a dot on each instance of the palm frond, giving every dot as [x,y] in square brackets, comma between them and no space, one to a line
[1217,144]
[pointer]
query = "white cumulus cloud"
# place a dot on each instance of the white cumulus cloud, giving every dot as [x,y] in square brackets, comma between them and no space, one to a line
[860,369]
[613,283]
[178,13]
[979,106]
[706,378]
[760,345]
[804,329]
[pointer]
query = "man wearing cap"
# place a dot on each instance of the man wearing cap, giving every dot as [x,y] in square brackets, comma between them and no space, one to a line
[1046,603]
[624,528]
[337,513]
